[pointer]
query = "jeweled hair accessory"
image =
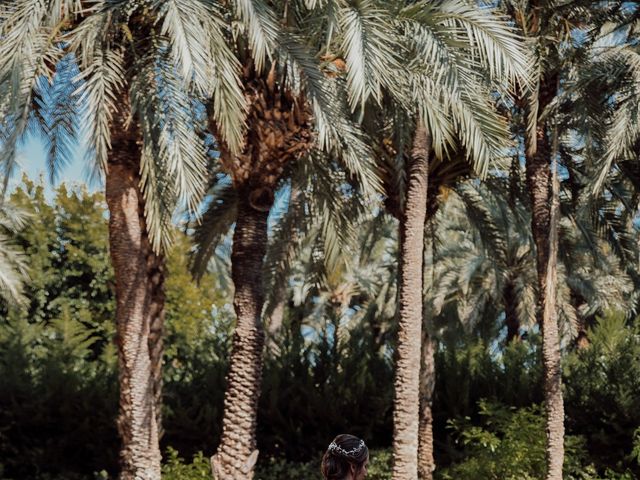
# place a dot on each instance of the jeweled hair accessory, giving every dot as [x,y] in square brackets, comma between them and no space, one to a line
[333,447]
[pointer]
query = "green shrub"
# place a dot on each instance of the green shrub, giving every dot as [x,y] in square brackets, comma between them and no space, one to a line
[277,468]
[603,391]
[380,465]
[175,468]
[509,444]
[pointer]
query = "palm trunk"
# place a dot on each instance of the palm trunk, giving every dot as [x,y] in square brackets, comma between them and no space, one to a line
[407,378]
[276,319]
[236,454]
[582,337]
[156,274]
[511,312]
[544,200]
[139,310]
[426,463]
[334,318]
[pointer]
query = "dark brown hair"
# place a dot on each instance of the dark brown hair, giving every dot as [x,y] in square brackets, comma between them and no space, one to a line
[336,462]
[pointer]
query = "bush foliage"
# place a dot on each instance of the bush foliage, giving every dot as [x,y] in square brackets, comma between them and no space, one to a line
[58,378]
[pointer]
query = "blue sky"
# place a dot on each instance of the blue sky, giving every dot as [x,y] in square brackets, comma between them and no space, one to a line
[32,161]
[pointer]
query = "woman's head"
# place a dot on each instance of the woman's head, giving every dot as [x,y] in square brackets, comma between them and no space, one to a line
[346,459]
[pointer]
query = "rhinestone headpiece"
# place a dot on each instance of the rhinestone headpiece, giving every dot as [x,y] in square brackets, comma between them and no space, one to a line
[333,447]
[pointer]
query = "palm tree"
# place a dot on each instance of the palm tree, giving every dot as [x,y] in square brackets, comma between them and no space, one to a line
[544,225]
[447,46]
[486,251]
[443,174]
[407,382]
[139,78]
[295,108]
[546,26]
[606,103]
[484,259]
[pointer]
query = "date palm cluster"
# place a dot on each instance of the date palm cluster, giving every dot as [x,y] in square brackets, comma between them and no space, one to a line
[497,139]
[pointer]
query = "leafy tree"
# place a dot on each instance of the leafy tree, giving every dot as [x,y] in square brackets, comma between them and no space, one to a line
[59,366]
[68,257]
[197,338]
[63,337]
[605,373]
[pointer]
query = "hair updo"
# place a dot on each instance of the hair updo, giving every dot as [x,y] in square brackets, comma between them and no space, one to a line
[344,451]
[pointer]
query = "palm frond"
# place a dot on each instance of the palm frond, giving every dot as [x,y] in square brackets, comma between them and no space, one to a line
[13,261]
[184,23]
[434,110]
[452,54]
[174,166]
[29,49]
[484,133]
[216,221]
[481,216]
[285,241]
[623,135]
[101,87]
[336,133]
[58,115]
[13,272]
[262,28]
[199,39]
[493,39]
[229,105]
[370,48]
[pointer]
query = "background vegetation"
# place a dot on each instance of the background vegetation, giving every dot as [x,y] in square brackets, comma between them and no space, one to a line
[59,382]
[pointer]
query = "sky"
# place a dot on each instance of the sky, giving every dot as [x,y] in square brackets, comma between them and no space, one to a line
[32,161]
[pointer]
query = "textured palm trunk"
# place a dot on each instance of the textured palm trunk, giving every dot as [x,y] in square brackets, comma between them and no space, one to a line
[407,377]
[334,318]
[426,463]
[582,337]
[279,131]
[551,345]
[139,310]
[236,454]
[511,312]
[276,319]
[544,200]
[156,276]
